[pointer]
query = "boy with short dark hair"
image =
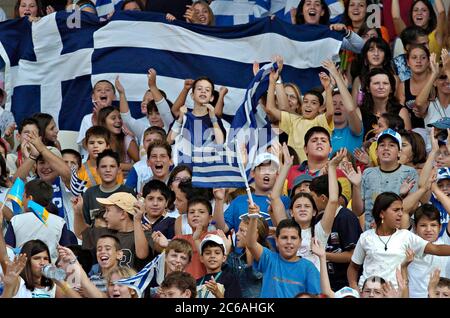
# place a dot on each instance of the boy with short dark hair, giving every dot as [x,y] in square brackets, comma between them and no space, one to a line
[108,167]
[216,283]
[284,273]
[97,140]
[156,195]
[317,149]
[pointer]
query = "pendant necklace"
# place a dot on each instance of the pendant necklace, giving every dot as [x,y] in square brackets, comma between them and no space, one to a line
[386,243]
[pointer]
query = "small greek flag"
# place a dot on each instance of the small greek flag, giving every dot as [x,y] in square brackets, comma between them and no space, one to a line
[140,281]
[77,186]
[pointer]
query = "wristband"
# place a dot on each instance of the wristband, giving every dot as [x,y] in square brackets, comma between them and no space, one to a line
[349,32]
[32,158]
[279,80]
[176,127]
[214,119]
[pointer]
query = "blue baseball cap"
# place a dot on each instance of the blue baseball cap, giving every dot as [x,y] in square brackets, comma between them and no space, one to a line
[299,180]
[443,123]
[443,173]
[391,133]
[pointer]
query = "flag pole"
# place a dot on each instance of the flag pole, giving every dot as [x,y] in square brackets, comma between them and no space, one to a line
[243,172]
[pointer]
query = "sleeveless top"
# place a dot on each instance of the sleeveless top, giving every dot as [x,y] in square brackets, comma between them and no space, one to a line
[410,99]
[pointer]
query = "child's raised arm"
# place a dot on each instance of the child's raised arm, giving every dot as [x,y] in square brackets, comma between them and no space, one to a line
[278,209]
[333,189]
[252,233]
[319,250]
[325,80]
[218,217]
[272,111]
[181,99]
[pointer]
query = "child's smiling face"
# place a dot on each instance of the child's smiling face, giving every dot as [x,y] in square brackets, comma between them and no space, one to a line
[103,94]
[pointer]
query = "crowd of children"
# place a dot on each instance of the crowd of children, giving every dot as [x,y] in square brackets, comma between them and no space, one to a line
[354,200]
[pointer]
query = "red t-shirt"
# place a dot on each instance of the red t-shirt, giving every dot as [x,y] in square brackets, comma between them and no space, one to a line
[405,6]
[195,267]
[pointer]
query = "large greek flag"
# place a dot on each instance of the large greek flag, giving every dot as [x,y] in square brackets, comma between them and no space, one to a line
[51,65]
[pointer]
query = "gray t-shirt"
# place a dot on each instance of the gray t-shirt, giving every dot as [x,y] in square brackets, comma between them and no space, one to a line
[376,181]
[90,204]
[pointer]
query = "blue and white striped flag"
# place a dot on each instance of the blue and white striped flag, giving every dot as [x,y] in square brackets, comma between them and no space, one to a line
[51,65]
[234,12]
[77,186]
[140,281]
[250,132]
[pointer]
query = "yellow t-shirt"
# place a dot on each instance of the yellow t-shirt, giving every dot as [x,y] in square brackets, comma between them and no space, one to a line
[83,175]
[434,45]
[296,127]
[373,154]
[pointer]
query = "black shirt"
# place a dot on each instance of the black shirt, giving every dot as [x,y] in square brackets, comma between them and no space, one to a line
[228,280]
[344,236]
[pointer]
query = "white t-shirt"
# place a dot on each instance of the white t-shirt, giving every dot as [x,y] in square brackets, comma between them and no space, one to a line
[420,269]
[377,261]
[86,123]
[305,247]
[24,292]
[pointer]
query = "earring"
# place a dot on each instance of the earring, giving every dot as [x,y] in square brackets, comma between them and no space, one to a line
[382,221]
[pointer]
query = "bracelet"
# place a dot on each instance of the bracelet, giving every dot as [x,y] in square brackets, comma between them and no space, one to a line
[32,158]
[214,120]
[73,261]
[279,80]
[176,127]
[349,32]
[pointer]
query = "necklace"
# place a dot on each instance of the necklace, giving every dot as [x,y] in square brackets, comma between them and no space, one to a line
[386,243]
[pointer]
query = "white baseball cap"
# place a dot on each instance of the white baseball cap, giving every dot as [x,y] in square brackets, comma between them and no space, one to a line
[346,292]
[263,157]
[213,238]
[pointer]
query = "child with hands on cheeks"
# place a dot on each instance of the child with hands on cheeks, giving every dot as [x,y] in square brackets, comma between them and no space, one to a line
[199,217]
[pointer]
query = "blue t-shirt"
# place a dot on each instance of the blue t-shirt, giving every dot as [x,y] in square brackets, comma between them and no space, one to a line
[444,215]
[344,138]
[283,279]
[239,207]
